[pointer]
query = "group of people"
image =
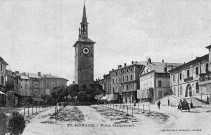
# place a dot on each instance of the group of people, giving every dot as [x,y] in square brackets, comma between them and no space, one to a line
[183,103]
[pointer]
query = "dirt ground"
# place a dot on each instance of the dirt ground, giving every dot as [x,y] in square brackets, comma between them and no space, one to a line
[101,120]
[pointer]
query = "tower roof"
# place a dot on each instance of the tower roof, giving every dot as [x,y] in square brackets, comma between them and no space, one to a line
[84,19]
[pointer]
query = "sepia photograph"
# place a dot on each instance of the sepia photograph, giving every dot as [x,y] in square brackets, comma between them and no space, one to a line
[105,67]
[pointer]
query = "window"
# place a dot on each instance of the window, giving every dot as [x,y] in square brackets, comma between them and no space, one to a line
[127,87]
[123,71]
[116,80]
[159,83]
[131,69]
[197,71]
[53,84]
[26,86]
[47,84]
[173,78]
[1,67]
[127,70]
[113,80]
[131,77]
[131,86]
[188,73]
[180,76]
[116,73]
[160,94]
[2,80]
[207,68]
[127,78]
[123,79]
[197,87]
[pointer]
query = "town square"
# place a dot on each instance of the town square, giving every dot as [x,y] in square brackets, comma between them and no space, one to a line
[136,67]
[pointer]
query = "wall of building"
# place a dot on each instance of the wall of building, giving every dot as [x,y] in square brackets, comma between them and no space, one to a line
[180,81]
[25,87]
[48,84]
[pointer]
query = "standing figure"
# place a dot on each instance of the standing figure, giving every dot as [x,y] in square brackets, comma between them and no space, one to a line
[158,103]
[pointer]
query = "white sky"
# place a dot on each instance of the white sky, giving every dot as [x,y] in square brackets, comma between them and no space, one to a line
[38,35]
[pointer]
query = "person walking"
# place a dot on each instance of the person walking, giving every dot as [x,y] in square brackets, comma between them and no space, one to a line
[158,103]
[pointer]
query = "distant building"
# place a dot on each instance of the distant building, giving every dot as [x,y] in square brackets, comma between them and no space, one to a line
[124,81]
[11,86]
[155,80]
[3,65]
[31,86]
[192,79]
[35,81]
[49,82]
[107,83]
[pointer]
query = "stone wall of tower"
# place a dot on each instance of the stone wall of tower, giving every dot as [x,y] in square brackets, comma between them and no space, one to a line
[84,64]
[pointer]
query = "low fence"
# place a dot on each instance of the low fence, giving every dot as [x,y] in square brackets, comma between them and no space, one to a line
[29,110]
[129,108]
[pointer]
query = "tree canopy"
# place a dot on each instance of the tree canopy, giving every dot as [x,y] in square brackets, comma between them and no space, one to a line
[84,93]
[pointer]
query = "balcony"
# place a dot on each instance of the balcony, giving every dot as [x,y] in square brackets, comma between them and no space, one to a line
[204,79]
[188,79]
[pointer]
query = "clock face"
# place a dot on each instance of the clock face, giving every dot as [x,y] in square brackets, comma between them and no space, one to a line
[85,50]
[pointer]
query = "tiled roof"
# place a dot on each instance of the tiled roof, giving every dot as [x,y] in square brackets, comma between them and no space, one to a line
[2,60]
[51,76]
[206,57]
[159,66]
[33,75]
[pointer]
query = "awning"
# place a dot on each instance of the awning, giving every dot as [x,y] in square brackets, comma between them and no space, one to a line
[37,99]
[112,97]
[2,93]
[98,96]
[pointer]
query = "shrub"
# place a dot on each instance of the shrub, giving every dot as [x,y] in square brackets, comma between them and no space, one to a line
[16,124]
[3,123]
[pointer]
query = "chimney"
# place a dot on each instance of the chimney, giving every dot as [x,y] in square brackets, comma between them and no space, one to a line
[17,72]
[119,66]
[39,74]
[209,48]
[125,64]
[165,68]
[162,60]
[132,62]
[149,60]
[73,82]
[112,69]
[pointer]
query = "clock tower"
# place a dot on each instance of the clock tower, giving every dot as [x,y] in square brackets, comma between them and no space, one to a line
[84,54]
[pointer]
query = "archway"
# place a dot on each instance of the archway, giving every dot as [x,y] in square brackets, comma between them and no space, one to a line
[188,92]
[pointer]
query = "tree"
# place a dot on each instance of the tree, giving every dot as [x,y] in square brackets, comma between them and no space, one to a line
[16,124]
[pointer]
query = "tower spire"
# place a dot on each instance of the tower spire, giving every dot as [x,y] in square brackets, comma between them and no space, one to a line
[83,32]
[84,19]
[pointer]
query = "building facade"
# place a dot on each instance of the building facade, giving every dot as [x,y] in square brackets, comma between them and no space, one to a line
[205,80]
[11,86]
[3,65]
[107,83]
[49,81]
[84,54]
[190,79]
[155,80]
[124,81]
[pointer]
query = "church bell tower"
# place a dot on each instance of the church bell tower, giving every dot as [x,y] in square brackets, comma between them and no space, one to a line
[84,54]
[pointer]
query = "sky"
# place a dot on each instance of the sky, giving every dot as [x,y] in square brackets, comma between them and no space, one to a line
[38,35]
